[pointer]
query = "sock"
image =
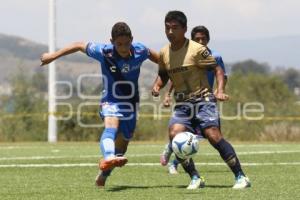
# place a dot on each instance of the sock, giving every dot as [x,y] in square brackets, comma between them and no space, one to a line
[106,173]
[229,156]
[169,147]
[175,162]
[189,167]
[107,142]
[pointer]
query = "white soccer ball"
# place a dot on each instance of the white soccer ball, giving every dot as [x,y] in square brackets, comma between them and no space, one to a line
[185,145]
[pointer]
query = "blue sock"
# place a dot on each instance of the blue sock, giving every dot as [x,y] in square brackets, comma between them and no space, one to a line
[107,142]
[175,162]
[229,156]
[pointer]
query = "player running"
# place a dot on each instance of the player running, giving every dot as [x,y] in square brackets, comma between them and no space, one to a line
[120,66]
[201,35]
[186,63]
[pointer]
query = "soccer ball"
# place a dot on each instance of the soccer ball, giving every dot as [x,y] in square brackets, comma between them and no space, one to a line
[185,145]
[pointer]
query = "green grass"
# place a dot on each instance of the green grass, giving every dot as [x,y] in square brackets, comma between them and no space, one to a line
[271,181]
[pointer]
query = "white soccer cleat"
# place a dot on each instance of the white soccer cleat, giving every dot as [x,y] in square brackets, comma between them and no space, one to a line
[241,182]
[172,169]
[196,183]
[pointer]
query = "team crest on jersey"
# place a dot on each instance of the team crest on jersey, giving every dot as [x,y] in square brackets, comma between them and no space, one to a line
[125,68]
[205,53]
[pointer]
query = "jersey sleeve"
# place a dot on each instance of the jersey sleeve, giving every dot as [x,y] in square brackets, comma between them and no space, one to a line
[142,50]
[94,50]
[204,59]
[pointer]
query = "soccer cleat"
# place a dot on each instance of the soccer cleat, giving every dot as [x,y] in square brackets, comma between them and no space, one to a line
[196,183]
[164,158]
[241,182]
[100,180]
[112,162]
[172,169]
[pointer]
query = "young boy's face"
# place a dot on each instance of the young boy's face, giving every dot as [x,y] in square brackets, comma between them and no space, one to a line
[122,45]
[174,31]
[201,38]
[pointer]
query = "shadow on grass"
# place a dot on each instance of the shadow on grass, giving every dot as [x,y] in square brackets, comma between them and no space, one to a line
[218,186]
[128,187]
[118,188]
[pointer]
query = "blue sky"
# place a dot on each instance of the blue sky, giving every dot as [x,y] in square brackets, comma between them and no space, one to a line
[91,20]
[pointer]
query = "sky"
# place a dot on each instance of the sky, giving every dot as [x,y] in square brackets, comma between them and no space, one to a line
[91,20]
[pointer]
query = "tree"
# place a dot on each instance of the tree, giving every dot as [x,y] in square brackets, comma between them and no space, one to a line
[250,66]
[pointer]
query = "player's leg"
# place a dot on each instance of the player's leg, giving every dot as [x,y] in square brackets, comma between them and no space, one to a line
[228,154]
[209,121]
[120,149]
[111,114]
[174,128]
[173,166]
[188,164]
[179,122]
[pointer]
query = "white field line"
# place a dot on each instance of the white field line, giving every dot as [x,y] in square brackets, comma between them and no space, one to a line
[139,155]
[136,146]
[135,164]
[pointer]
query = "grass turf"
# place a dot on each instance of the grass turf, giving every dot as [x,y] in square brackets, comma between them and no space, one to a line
[272,181]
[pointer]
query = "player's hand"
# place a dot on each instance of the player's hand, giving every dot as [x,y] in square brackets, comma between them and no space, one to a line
[155,91]
[221,96]
[167,101]
[46,58]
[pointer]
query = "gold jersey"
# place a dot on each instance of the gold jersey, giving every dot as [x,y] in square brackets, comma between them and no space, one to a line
[187,69]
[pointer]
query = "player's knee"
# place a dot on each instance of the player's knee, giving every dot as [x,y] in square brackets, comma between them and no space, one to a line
[213,135]
[173,132]
[175,129]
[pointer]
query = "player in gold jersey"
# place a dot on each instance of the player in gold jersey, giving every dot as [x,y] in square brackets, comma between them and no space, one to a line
[186,63]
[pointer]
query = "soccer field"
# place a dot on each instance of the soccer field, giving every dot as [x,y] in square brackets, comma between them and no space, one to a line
[67,171]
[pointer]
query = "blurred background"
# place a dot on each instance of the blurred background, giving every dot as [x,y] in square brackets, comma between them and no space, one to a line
[259,41]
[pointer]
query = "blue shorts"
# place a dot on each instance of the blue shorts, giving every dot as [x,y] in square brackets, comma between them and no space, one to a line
[126,113]
[196,115]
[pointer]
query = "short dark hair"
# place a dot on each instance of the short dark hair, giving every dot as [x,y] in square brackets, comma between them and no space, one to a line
[177,16]
[120,29]
[201,29]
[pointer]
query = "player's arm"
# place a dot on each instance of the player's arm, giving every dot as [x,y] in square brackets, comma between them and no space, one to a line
[162,77]
[205,60]
[160,82]
[220,95]
[167,99]
[219,60]
[153,56]
[47,58]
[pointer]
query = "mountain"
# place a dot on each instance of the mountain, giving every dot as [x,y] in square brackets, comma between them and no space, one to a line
[19,53]
[29,50]
[277,51]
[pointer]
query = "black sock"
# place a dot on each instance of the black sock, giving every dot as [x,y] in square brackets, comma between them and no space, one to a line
[229,156]
[189,167]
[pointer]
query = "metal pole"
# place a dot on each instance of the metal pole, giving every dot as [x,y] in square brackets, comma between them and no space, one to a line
[52,125]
